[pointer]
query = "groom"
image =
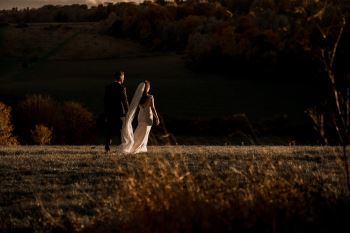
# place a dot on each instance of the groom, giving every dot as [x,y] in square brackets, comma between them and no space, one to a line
[115,106]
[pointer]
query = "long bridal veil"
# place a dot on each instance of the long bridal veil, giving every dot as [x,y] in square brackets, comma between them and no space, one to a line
[127,134]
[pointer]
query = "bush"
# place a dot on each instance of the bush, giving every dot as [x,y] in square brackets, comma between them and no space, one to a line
[41,135]
[6,127]
[71,122]
[79,123]
[37,110]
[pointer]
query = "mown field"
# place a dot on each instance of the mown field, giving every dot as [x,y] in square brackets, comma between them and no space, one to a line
[172,189]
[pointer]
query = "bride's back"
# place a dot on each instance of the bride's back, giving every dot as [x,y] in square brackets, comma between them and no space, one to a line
[145,113]
[146,101]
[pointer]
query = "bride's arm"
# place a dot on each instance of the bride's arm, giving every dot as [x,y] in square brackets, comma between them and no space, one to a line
[154,111]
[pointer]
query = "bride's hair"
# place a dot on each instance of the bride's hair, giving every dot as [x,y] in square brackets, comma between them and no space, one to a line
[145,92]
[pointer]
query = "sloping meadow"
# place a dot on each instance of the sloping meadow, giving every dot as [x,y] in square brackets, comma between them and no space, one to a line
[172,189]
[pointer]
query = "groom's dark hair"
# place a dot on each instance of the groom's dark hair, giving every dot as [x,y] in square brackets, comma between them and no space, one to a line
[118,74]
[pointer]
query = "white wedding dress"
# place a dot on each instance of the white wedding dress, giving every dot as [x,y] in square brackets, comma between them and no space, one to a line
[136,142]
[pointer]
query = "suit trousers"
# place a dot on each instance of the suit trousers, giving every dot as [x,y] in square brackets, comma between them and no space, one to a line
[113,128]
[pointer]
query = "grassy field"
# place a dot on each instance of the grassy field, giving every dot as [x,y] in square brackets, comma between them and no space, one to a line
[76,61]
[172,189]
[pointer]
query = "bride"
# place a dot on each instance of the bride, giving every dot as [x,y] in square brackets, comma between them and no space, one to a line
[136,142]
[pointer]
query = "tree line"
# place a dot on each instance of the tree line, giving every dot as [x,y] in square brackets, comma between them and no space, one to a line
[277,38]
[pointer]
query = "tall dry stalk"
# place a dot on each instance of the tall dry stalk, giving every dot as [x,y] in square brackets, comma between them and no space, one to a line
[339,101]
[318,120]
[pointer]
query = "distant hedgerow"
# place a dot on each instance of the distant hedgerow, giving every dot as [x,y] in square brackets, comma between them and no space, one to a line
[6,127]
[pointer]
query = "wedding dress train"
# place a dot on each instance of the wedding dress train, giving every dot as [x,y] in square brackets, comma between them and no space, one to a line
[136,142]
[145,121]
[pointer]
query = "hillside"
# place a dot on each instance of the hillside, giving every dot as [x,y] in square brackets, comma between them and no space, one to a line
[74,61]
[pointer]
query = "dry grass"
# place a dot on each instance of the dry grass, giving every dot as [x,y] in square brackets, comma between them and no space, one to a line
[172,189]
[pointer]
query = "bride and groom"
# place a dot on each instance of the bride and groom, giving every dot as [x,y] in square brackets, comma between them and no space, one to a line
[119,115]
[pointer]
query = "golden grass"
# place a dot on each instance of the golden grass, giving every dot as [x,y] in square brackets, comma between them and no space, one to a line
[172,189]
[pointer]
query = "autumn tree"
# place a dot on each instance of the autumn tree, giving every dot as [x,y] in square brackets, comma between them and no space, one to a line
[6,127]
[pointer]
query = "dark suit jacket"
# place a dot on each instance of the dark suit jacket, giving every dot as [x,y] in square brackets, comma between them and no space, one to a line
[115,100]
